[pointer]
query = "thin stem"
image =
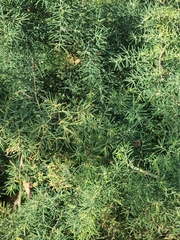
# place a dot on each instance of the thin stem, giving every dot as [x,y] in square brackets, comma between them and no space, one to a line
[160,58]
[137,169]
[34,81]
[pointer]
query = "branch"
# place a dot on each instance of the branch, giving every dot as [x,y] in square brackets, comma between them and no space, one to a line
[160,58]
[137,169]
[34,78]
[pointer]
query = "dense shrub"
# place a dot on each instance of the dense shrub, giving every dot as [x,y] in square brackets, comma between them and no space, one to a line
[89,120]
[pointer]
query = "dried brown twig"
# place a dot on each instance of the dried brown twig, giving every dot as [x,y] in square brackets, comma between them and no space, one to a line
[27,186]
[160,58]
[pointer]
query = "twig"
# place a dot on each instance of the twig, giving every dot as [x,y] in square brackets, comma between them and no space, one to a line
[82,3]
[17,202]
[34,78]
[160,58]
[27,186]
[137,169]
[35,93]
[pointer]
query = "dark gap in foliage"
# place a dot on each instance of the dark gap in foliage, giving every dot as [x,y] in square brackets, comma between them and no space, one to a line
[4,198]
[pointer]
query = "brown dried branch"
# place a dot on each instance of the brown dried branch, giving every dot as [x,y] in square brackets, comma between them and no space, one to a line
[27,186]
[160,58]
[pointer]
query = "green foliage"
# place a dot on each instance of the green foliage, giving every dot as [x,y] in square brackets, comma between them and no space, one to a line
[89,120]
